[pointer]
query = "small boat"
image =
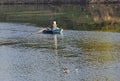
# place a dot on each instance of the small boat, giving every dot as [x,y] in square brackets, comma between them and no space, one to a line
[51,29]
[56,31]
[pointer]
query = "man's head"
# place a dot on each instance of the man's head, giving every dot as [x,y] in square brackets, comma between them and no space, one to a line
[54,22]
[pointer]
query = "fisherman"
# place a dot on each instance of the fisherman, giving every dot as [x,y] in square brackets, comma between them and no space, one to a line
[54,26]
[51,29]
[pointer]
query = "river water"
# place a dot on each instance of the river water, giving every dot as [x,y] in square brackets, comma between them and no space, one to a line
[28,56]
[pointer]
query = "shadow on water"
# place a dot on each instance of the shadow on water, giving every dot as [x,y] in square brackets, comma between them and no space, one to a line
[8,43]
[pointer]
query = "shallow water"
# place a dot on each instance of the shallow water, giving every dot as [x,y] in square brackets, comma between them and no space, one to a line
[27,56]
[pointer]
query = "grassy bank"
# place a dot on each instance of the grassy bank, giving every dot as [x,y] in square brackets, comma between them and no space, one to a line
[67,16]
[11,2]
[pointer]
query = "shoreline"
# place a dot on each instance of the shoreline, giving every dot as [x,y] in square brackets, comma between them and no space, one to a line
[48,3]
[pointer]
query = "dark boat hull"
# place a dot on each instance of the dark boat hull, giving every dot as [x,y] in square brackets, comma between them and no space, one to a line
[57,31]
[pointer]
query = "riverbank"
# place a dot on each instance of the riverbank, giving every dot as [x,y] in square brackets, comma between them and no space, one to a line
[92,17]
[56,2]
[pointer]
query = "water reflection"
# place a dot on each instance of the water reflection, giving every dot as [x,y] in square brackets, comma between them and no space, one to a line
[55,40]
[100,47]
[88,56]
[97,51]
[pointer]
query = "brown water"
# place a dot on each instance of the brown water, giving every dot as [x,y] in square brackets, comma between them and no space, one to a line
[87,55]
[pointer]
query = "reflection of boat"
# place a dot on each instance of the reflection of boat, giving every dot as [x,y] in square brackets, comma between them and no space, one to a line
[56,31]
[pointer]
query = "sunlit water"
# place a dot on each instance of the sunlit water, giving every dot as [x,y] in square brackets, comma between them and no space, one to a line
[27,56]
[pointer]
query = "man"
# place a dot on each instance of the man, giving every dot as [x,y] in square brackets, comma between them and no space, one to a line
[54,26]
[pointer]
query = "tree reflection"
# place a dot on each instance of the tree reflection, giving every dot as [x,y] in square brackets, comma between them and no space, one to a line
[99,50]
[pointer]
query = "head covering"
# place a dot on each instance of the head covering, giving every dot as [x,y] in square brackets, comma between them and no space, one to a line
[54,22]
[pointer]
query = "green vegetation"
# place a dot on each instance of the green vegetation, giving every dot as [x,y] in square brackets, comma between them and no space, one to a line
[56,1]
[89,17]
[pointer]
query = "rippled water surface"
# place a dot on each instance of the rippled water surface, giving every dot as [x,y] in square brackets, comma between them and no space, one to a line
[27,56]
